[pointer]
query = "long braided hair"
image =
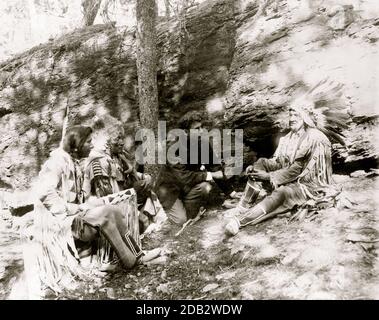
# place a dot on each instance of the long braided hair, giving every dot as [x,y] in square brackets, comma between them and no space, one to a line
[74,140]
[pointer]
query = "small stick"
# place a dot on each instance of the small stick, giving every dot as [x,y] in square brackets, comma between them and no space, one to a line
[245,255]
[364,241]
[191,221]
[183,227]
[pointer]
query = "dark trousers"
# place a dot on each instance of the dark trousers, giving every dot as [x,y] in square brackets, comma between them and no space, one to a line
[188,206]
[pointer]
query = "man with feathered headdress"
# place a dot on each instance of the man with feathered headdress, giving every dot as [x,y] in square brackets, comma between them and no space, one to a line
[300,172]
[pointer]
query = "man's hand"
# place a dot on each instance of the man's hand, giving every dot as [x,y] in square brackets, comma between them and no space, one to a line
[91,203]
[145,183]
[85,206]
[260,175]
[94,201]
[149,180]
[217,175]
[249,169]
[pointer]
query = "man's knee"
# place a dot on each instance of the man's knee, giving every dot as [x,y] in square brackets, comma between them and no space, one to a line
[260,164]
[280,193]
[181,220]
[177,213]
[178,219]
[103,214]
[205,188]
[109,209]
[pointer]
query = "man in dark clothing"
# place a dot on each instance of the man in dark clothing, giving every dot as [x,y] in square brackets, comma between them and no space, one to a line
[183,187]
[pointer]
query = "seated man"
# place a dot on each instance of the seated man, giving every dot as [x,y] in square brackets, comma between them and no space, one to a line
[300,170]
[108,170]
[61,216]
[183,188]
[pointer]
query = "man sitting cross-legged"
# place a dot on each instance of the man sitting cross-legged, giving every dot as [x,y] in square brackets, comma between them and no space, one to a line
[63,221]
[301,168]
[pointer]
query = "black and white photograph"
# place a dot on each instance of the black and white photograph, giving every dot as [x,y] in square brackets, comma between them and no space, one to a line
[204,151]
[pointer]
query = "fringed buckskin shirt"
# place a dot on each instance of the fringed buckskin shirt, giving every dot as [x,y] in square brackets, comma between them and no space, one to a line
[304,159]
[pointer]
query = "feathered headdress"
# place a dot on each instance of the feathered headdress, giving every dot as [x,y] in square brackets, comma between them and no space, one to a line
[321,107]
[65,124]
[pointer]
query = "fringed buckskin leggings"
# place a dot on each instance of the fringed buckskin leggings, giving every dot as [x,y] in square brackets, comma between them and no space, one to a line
[109,221]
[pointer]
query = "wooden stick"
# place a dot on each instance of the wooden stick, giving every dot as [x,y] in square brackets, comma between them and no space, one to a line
[191,221]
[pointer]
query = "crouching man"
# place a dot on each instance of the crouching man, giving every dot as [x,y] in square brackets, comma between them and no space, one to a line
[183,187]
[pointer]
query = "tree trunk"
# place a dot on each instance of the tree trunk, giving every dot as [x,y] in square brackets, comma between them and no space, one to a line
[146,12]
[167,11]
[90,9]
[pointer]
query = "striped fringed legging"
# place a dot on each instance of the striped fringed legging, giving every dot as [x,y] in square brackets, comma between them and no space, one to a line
[287,196]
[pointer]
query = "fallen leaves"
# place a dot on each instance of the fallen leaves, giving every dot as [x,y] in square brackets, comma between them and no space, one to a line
[237,248]
[226,275]
[163,288]
[290,258]
[354,237]
[361,173]
[111,293]
[299,215]
[210,287]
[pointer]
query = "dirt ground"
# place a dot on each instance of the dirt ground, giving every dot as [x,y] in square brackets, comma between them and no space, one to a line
[332,256]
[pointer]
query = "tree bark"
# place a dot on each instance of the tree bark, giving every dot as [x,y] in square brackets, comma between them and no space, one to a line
[146,12]
[90,10]
[167,11]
